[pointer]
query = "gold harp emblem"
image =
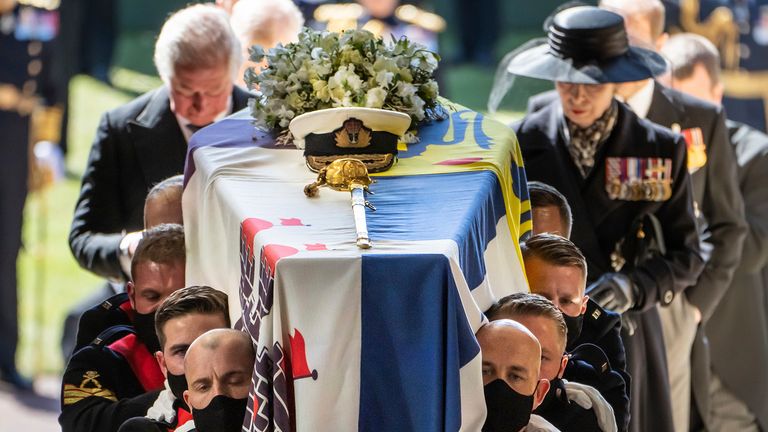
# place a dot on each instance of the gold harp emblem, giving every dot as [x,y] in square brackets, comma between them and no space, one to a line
[353,134]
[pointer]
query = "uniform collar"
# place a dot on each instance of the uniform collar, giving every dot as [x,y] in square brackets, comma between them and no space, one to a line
[640,102]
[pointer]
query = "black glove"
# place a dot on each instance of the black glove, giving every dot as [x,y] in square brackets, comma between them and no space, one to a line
[614,291]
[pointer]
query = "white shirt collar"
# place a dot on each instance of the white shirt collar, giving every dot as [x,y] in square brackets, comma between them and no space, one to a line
[640,102]
[183,122]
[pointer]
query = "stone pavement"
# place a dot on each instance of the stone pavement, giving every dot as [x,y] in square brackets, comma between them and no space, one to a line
[27,412]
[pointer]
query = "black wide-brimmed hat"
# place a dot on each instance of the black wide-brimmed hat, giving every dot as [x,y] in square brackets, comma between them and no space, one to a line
[587,45]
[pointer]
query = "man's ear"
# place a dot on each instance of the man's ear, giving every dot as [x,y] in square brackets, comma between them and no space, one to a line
[563,364]
[186,400]
[161,361]
[584,301]
[129,288]
[538,395]
[717,92]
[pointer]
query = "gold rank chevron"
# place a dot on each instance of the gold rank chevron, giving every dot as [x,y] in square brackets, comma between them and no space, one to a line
[74,394]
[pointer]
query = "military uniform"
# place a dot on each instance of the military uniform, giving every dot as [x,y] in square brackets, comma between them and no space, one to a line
[25,88]
[113,311]
[588,365]
[739,30]
[109,381]
[738,329]
[648,164]
[182,420]
[602,328]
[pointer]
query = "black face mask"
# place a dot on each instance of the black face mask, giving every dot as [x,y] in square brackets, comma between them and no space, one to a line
[223,414]
[573,324]
[508,410]
[177,383]
[145,330]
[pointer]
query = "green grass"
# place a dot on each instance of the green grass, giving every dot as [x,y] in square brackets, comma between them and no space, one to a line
[50,281]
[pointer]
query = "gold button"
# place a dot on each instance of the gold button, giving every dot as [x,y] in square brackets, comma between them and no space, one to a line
[34,48]
[30,86]
[34,67]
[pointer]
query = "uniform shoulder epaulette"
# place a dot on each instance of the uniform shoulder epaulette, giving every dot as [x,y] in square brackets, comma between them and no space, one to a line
[114,311]
[106,337]
[419,17]
[591,355]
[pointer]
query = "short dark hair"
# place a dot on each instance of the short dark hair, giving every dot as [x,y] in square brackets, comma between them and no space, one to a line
[554,249]
[685,50]
[544,195]
[176,181]
[162,244]
[189,300]
[530,305]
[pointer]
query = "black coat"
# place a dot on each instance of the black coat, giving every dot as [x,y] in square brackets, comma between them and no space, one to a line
[715,190]
[715,187]
[602,328]
[136,146]
[600,222]
[738,328]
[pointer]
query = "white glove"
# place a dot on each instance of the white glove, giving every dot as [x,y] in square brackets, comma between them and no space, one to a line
[162,410]
[539,424]
[588,397]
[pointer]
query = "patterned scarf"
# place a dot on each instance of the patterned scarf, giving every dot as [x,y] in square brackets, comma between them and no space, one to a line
[586,141]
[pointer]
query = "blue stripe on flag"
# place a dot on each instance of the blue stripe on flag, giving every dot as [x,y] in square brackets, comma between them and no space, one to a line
[412,350]
[464,207]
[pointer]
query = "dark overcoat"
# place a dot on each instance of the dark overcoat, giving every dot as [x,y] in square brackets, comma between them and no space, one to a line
[137,145]
[721,210]
[740,359]
[599,222]
[721,217]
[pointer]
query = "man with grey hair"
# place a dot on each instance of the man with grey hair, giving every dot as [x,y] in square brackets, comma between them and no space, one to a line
[265,23]
[145,141]
[738,385]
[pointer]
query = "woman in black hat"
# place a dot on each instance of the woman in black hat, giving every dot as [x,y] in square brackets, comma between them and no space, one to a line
[621,175]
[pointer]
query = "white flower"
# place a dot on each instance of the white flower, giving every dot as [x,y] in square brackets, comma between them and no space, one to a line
[384,78]
[321,90]
[285,115]
[325,70]
[417,107]
[375,97]
[346,76]
[405,90]
[317,53]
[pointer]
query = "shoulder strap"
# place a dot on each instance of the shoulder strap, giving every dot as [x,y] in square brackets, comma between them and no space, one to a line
[123,340]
